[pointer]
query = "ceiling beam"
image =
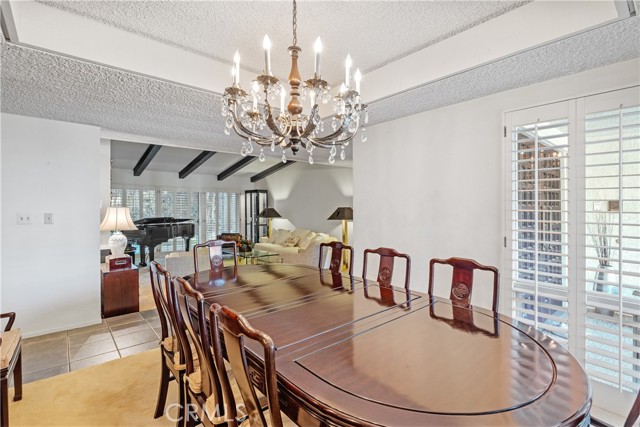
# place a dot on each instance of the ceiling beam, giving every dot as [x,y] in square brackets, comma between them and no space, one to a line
[271,170]
[7,22]
[235,167]
[195,163]
[146,158]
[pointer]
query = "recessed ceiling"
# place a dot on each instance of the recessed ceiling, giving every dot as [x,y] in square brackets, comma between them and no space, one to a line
[217,28]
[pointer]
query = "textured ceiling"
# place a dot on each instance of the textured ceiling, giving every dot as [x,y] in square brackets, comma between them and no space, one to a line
[42,84]
[211,27]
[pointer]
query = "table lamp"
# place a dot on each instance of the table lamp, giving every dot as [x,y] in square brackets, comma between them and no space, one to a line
[269,213]
[115,220]
[344,214]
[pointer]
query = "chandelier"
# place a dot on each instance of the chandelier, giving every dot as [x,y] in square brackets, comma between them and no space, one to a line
[253,117]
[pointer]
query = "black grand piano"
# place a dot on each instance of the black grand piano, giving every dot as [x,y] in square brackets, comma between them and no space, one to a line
[153,231]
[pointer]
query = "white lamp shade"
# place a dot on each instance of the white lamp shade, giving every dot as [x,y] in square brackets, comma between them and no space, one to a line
[117,219]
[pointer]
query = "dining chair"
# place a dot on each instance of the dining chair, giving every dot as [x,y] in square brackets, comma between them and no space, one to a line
[169,346]
[462,280]
[385,269]
[10,362]
[337,253]
[634,413]
[235,328]
[202,385]
[214,249]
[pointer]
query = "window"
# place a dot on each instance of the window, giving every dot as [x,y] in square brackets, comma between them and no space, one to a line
[573,233]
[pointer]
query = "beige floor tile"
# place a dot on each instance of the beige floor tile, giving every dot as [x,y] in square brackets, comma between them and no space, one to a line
[89,337]
[89,350]
[139,348]
[39,355]
[45,373]
[125,318]
[136,338]
[95,360]
[130,328]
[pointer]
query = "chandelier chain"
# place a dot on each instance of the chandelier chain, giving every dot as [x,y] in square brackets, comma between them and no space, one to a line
[295,24]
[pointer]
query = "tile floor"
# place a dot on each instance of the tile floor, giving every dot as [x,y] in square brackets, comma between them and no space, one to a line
[61,352]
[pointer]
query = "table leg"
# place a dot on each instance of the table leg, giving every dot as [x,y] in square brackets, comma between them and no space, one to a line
[4,390]
[17,379]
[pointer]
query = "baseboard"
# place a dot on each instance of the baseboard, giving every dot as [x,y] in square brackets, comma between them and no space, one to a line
[61,328]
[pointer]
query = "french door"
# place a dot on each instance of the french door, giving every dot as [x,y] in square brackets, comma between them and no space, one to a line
[573,233]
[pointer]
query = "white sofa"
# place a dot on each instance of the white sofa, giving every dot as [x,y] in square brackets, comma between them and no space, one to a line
[307,254]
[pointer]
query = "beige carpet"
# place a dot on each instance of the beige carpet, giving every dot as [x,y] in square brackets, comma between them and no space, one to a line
[122,392]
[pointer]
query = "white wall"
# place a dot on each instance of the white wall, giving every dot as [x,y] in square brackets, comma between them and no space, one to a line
[50,275]
[430,184]
[305,195]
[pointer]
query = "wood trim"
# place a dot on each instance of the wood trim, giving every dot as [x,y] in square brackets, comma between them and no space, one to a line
[195,163]
[271,170]
[146,158]
[236,167]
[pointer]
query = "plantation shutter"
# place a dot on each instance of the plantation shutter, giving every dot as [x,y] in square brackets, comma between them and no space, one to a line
[181,212]
[195,216]
[116,197]
[612,243]
[148,203]
[210,215]
[133,203]
[234,213]
[539,225]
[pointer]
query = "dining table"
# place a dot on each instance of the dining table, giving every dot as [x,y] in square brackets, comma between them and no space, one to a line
[350,352]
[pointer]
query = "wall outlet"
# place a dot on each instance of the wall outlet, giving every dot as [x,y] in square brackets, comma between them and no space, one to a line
[24,219]
[48,218]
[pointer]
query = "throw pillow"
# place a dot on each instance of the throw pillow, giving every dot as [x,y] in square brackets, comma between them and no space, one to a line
[300,233]
[291,241]
[272,237]
[306,240]
[282,236]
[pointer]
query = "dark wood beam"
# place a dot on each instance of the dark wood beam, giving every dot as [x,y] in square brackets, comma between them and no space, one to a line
[271,170]
[235,167]
[195,163]
[146,158]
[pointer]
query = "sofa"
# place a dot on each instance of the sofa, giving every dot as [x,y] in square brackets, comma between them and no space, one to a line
[295,247]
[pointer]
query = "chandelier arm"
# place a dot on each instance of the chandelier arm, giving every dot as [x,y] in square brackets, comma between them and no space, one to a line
[245,133]
[344,127]
[271,123]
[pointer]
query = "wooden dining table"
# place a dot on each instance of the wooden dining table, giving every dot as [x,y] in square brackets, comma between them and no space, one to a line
[353,353]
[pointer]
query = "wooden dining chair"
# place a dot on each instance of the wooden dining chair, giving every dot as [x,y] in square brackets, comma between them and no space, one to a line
[169,346]
[10,362]
[337,253]
[462,280]
[215,252]
[202,385]
[385,269]
[634,413]
[235,328]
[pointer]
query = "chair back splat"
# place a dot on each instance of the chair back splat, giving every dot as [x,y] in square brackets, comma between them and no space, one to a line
[203,386]
[337,253]
[169,344]
[235,329]
[462,280]
[214,248]
[385,269]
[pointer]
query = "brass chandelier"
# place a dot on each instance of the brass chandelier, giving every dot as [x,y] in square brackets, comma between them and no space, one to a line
[267,126]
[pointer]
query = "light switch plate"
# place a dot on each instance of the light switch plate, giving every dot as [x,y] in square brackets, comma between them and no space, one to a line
[48,218]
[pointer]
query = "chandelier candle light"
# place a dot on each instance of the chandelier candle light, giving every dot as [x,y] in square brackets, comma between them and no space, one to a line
[288,127]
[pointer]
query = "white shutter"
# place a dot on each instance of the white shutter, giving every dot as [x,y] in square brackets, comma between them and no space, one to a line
[234,213]
[223,213]
[612,245]
[539,225]
[133,202]
[182,212]
[166,209]
[149,203]
[117,197]
[210,215]
[195,216]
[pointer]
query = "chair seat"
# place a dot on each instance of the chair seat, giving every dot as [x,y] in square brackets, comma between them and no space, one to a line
[181,366]
[170,344]
[10,341]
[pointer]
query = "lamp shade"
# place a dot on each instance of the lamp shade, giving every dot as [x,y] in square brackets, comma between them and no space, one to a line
[117,219]
[269,213]
[342,213]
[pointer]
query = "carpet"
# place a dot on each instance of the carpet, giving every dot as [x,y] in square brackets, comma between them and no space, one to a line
[122,392]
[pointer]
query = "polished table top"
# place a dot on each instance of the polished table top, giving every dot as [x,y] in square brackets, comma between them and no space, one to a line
[353,353]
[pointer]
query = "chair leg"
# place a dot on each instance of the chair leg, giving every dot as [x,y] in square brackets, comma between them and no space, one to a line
[17,379]
[183,404]
[164,386]
[4,390]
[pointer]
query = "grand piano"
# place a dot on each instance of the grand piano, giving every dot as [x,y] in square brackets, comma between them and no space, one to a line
[153,231]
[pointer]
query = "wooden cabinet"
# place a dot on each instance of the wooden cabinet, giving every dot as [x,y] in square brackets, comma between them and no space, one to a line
[120,291]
